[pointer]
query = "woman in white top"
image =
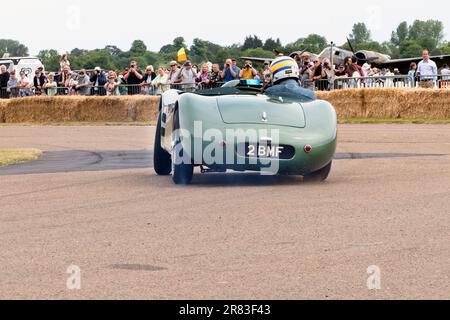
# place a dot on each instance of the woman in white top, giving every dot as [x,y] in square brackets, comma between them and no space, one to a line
[161,82]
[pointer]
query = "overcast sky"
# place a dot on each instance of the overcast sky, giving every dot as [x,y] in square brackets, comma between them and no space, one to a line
[64,25]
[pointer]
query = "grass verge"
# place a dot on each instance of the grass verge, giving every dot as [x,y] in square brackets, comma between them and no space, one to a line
[387,120]
[14,156]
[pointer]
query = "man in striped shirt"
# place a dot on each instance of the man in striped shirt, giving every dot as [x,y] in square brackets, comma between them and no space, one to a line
[427,71]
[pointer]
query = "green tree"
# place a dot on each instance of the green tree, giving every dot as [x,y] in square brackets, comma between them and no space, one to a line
[446,49]
[202,51]
[113,50]
[313,43]
[361,39]
[92,59]
[258,52]
[77,52]
[429,34]
[401,34]
[410,48]
[13,47]
[179,43]
[252,42]
[50,59]
[409,40]
[360,34]
[138,47]
[172,48]
[271,44]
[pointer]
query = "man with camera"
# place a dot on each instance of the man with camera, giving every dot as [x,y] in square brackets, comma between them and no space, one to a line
[307,72]
[98,79]
[133,78]
[186,77]
[229,71]
[248,72]
[83,88]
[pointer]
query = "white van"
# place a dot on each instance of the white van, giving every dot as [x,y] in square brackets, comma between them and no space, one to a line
[27,64]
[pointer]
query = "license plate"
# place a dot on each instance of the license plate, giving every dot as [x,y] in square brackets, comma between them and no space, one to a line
[264,151]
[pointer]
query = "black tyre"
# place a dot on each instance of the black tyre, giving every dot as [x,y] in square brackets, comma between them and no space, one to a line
[162,162]
[182,173]
[320,175]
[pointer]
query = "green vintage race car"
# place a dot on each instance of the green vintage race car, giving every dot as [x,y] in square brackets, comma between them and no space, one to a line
[239,127]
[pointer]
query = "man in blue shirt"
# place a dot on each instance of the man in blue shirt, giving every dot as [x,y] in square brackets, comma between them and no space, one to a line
[229,72]
[427,71]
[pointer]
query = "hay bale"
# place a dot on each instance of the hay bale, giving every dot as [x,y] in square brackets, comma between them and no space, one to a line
[349,103]
[82,109]
[390,103]
[2,115]
[423,103]
[147,110]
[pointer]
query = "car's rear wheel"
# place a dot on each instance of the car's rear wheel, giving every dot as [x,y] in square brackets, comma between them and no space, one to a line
[319,175]
[162,162]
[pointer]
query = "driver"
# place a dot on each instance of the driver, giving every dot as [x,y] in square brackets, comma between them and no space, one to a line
[285,74]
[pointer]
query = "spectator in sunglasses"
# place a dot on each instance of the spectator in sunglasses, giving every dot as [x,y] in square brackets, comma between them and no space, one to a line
[83,88]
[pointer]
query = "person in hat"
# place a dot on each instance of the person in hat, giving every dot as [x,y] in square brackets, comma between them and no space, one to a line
[83,87]
[188,76]
[98,79]
[248,72]
[174,73]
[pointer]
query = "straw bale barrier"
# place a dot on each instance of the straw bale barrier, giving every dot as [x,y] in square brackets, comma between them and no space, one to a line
[390,103]
[351,103]
[79,109]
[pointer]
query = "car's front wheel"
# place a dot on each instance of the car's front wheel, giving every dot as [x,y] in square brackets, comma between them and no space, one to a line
[182,172]
[161,158]
[319,175]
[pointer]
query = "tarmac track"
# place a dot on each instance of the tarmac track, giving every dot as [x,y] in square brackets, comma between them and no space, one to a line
[83,160]
[92,200]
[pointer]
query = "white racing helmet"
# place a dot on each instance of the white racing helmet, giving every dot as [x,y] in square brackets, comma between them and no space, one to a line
[284,68]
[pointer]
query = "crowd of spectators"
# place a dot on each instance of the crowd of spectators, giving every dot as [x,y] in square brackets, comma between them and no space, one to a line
[314,75]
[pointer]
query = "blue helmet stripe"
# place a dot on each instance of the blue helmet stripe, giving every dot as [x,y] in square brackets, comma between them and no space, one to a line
[282,69]
[279,61]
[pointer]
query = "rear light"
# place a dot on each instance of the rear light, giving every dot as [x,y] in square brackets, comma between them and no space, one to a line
[307,148]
